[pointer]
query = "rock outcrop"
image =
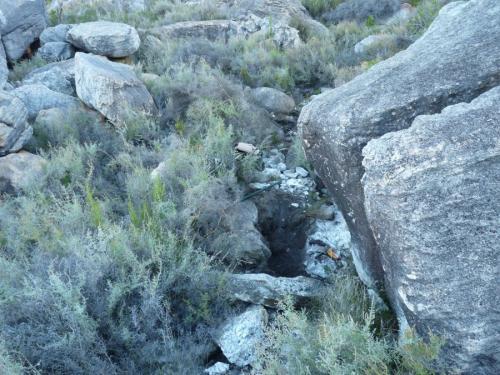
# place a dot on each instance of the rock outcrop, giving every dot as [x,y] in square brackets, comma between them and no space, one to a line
[283,35]
[21,23]
[104,38]
[19,169]
[457,59]
[269,291]
[113,89]
[14,129]
[431,197]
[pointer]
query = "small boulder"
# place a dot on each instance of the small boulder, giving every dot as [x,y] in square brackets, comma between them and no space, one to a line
[21,23]
[58,76]
[14,129]
[263,289]
[273,100]
[240,336]
[105,38]
[57,33]
[56,51]
[220,368]
[17,170]
[113,89]
[37,97]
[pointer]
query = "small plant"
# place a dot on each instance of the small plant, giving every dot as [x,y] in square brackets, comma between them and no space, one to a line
[370,21]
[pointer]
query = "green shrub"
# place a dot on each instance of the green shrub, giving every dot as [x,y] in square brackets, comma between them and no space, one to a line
[318,7]
[339,339]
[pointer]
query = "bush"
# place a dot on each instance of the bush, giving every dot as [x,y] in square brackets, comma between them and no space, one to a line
[340,339]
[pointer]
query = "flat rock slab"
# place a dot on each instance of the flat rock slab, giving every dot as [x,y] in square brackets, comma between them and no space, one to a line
[19,169]
[432,197]
[239,337]
[263,289]
[104,38]
[113,89]
[21,23]
[456,60]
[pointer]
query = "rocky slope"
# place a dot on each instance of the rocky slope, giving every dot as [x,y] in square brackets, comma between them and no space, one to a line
[156,201]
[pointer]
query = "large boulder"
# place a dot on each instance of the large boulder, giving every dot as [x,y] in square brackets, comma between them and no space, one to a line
[17,170]
[105,38]
[457,59]
[263,289]
[14,129]
[240,336]
[37,97]
[21,22]
[112,89]
[58,76]
[211,30]
[432,199]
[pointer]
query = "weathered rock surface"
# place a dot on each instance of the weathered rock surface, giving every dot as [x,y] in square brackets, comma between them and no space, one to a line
[37,97]
[56,33]
[431,196]
[21,22]
[263,289]
[111,88]
[455,60]
[14,129]
[56,51]
[239,337]
[273,100]
[19,169]
[105,38]
[58,76]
